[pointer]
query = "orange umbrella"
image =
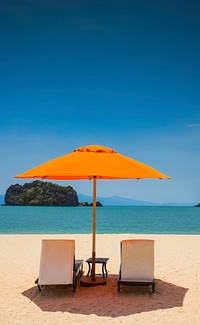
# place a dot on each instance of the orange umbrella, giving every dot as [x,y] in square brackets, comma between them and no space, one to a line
[93,162]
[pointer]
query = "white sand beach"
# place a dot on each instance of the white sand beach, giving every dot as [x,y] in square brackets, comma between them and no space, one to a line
[175,301]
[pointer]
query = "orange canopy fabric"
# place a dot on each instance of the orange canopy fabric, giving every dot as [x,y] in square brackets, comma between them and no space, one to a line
[92,161]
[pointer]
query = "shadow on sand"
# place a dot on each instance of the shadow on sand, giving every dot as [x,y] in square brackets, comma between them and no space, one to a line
[105,300]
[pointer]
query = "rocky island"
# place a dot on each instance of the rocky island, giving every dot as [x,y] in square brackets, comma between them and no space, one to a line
[39,193]
[197,205]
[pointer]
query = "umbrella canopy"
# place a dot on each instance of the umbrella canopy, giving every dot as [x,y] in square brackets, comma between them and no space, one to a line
[93,162]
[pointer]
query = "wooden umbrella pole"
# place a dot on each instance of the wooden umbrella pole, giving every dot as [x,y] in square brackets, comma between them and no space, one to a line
[94,227]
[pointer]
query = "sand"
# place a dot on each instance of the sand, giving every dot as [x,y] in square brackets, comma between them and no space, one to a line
[176,299]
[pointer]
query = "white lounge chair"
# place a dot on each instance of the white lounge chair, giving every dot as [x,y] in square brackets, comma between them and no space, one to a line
[137,263]
[57,263]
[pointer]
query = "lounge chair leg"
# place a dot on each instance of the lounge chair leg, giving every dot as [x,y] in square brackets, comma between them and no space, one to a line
[153,287]
[36,282]
[118,286]
[39,287]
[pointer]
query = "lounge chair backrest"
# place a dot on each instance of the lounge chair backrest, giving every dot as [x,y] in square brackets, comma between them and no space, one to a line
[137,260]
[57,261]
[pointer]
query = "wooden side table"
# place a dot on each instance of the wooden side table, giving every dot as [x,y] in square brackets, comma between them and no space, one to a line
[98,260]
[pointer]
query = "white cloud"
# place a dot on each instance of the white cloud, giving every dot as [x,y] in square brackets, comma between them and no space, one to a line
[195,125]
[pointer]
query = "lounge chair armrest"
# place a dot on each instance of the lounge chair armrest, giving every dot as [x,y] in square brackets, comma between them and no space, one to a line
[78,267]
[77,272]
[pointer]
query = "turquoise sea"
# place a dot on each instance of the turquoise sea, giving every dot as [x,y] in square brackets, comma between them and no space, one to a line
[110,219]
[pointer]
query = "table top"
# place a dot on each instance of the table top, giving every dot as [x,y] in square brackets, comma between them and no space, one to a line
[98,260]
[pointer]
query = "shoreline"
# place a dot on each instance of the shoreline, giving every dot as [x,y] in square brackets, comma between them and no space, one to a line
[175,301]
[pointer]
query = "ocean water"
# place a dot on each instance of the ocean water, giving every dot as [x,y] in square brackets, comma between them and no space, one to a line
[110,219]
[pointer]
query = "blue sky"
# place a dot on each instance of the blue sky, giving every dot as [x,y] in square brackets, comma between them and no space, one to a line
[123,74]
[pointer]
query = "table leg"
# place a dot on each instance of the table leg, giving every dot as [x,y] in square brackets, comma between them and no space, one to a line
[106,270]
[103,270]
[88,269]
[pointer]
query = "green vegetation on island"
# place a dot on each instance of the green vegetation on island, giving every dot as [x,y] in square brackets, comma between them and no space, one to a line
[38,193]
[86,204]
